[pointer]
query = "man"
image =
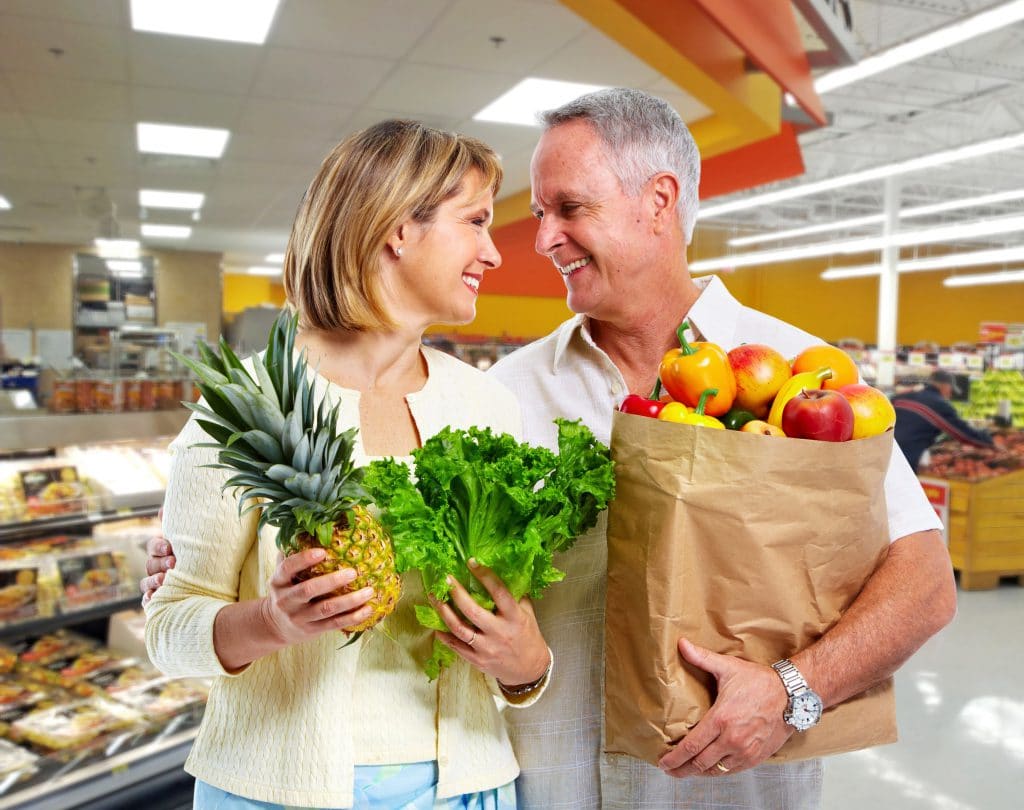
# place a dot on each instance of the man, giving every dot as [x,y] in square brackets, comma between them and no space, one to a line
[922,415]
[614,187]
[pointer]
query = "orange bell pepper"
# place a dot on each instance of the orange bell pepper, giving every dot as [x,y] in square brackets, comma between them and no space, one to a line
[690,370]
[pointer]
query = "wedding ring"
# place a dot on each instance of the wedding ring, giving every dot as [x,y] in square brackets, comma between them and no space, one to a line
[721,767]
[472,638]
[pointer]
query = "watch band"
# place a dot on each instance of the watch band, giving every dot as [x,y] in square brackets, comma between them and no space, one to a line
[791,678]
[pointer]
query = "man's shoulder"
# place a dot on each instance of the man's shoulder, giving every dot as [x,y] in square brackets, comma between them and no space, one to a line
[540,351]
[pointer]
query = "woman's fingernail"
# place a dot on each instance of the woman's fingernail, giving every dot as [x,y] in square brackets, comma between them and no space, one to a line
[318,554]
[473,562]
[450,579]
[163,548]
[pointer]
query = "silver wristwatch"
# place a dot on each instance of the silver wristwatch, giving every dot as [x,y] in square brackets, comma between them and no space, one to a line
[804,710]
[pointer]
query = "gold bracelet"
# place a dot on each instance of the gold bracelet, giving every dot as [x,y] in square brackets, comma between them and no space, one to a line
[526,688]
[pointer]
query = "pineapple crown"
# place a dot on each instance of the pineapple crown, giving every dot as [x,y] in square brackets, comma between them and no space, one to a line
[287,455]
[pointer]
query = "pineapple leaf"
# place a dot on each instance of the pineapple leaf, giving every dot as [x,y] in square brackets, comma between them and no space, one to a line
[241,376]
[230,359]
[300,458]
[220,433]
[202,410]
[316,456]
[263,443]
[240,400]
[204,372]
[211,359]
[266,382]
[266,414]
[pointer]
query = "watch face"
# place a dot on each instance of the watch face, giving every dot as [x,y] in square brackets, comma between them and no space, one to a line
[804,711]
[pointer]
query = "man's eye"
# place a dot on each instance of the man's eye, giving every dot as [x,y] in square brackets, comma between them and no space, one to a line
[569,208]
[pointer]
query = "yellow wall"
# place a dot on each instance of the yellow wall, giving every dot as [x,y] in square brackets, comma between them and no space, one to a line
[241,291]
[512,316]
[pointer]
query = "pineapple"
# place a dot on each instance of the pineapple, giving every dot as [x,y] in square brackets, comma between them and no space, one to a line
[291,463]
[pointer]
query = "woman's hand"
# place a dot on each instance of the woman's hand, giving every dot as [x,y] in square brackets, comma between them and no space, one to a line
[506,644]
[296,612]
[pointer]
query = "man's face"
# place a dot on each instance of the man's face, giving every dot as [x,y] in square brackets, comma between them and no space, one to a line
[594,233]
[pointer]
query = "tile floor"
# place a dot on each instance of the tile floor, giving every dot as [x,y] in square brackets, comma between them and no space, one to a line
[960,704]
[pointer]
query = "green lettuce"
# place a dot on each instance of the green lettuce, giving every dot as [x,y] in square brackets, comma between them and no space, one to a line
[479,494]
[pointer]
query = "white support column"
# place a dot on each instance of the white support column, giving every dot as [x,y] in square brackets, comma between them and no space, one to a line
[889,290]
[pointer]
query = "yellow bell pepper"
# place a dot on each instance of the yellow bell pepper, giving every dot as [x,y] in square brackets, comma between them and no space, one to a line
[684,416]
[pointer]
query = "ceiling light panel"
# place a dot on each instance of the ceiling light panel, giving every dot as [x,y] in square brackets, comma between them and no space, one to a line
[170,139]
[179,200]
[975,258]
[5,204]
[264,271]
[166,231]
[940,39]
[943,158]
[531,96]
[1005,277]
[232,20]
[274,258]
[117,248]
[124,265]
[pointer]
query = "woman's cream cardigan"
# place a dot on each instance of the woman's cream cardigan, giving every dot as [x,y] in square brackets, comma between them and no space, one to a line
[281,730]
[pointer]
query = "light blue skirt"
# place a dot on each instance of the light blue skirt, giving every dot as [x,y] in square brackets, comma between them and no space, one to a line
[378,787]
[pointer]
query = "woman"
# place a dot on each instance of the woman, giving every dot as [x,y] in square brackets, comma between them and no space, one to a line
[391,237]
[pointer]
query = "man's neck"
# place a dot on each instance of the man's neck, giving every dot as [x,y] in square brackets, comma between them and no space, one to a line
[637,342]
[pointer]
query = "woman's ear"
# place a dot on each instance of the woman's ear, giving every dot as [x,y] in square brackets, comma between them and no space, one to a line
[396,241]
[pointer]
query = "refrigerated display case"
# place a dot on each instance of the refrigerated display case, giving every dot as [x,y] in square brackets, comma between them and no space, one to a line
[83,725]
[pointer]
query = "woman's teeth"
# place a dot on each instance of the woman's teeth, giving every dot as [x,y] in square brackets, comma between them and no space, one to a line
[573,266]
[472,281]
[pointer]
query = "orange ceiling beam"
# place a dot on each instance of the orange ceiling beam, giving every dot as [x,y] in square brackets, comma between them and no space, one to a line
[765,161]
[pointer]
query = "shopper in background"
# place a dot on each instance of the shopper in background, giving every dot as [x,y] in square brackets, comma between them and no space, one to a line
[614,183]
[614,187]
[391,237]
[922,415]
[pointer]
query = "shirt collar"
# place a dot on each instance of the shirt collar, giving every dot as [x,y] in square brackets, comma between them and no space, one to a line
[713,318]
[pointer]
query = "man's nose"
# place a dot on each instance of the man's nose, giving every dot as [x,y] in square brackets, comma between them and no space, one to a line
[549,237]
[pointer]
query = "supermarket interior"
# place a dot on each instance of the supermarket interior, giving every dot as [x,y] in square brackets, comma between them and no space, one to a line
[862,178]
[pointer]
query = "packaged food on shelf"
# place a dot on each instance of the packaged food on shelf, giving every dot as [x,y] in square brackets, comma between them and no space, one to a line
[53,489]
[21,596]
[163,698]
[61,645]
[73,725]
[99,575]
[15,760]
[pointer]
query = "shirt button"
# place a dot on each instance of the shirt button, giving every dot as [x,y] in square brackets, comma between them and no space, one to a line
[616,389]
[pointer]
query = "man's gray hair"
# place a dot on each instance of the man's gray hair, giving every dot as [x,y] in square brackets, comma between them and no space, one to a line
[643,136]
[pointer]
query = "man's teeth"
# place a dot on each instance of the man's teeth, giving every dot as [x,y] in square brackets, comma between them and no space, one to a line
[472,281]
[576,265]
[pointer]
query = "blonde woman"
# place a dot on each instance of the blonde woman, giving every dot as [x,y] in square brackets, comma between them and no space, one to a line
[391,237]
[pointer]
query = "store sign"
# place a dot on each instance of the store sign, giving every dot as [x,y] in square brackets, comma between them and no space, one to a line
[1009,361]
[975,362]
[992,332]
[952,360]
[917,359]
[937,492]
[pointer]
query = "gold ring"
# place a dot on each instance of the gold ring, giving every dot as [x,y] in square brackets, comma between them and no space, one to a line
[721,767]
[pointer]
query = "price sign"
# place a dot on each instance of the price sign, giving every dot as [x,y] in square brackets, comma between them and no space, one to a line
[975,362]
[937,492]
[917,359]
[1015,341]
[949,360]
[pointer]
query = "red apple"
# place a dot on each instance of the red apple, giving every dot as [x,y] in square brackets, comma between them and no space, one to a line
[761,428]
[873,413]
[760,372]
[815,413]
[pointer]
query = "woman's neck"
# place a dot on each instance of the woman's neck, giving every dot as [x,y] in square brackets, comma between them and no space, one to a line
[367,361]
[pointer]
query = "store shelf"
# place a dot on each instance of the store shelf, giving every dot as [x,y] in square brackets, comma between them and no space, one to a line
[60,430]
[78,522]
[118,774]
[37,627]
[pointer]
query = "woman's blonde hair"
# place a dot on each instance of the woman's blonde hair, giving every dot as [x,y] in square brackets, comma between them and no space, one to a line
[366,187]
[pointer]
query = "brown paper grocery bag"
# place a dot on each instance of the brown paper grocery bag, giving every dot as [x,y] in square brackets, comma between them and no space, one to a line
[748,545]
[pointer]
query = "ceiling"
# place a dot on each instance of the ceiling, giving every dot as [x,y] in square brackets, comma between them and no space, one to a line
[75,79]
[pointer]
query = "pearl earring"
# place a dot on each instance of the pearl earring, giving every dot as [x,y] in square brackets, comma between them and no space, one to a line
[398,252]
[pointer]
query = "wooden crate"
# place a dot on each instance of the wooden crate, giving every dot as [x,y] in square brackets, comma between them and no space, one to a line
[986,530]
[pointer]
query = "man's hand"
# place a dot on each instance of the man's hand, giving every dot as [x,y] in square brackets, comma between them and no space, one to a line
[742,728]
[160,560]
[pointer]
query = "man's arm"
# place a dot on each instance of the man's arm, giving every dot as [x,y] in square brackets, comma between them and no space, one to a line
[906,601]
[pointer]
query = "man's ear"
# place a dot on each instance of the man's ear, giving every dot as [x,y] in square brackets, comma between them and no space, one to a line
[663,190]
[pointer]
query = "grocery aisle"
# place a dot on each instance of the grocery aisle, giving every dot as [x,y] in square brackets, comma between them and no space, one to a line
[960,703]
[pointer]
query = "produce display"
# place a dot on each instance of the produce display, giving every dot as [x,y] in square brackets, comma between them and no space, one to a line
[990,391]
[754,389]
[952,460]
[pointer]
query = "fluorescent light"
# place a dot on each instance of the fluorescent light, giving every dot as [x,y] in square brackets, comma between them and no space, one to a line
[975,258]
[5,205]
[943,158]
[522,103]
[874,219]
[117,248]
[166,231]
[1005,277]
[124,265]
[937,40]
[169,139]
[274,258]
[234,20]
[181,200]
[863,244]
[264,271]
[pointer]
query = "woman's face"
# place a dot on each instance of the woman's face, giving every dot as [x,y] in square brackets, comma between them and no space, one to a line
[437,278]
